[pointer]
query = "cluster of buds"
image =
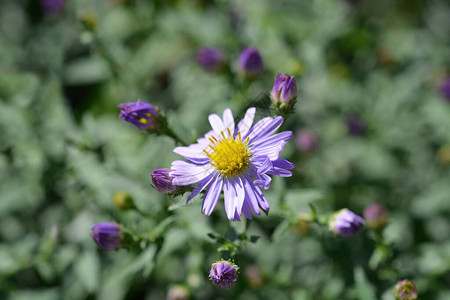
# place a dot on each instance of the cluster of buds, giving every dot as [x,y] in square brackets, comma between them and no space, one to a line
[250,63]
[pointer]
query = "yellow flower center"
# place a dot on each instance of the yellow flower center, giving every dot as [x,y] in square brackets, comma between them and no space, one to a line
[145,121]
[230,156]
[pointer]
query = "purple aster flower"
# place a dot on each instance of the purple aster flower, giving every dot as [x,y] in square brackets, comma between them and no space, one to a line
[375,215]
[284,89]
[250,62]
[345,223]
[405,290]
[235,159]
[306,140]
[210,59]
[108,236]
[140,114]
[445,88]
[52,6]
[162,181]
[224,274]
[355,125]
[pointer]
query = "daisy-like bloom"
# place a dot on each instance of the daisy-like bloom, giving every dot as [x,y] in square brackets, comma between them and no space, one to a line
[405,290]
[140,114]
[235,159]
[224,274]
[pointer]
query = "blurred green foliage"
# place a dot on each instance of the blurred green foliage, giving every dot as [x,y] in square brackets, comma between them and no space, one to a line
[64,153]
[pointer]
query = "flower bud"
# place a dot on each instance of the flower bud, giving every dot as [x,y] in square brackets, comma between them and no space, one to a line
[443,155]
[143,115]
[355,125]
[306,141]
[375,215]
[284,89]
[89,19]
[53,6]
[224,273]
[250,62]
[405,290]
[345,223]
[178,292]
[162,181]
[107,236]
[123,201]
[254,276]
[301,226]
[444,87]
[211,59]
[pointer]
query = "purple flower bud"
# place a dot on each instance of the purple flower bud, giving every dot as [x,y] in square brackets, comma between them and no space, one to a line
[375,215]
[445,88]
[284,89]
[345,223]
[250,62]
[306,140]
[140,114]
[178,292]
[405,290]
[108,236]
[211,59]
[355,125]
[52,6]
[162,181]
[224,273]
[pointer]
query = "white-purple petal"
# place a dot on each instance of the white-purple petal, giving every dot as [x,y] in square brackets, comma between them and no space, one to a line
[203,183]
[216,123]
[266,130]
[194,154]
[212,195]
[245,124]
[274,139]
[228,121]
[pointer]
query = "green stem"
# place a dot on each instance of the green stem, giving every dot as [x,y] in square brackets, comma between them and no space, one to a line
[170,133]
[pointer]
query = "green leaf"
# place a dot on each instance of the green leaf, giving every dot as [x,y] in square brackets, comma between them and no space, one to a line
[364,290]
[88,270]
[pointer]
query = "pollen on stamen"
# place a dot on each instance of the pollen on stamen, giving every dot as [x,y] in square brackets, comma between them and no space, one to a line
[230,156]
